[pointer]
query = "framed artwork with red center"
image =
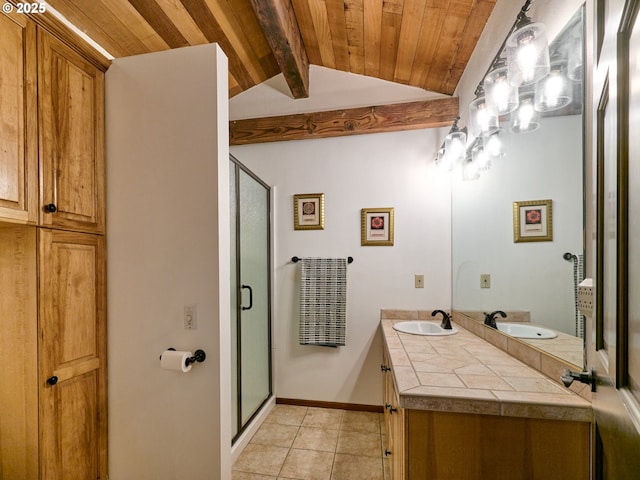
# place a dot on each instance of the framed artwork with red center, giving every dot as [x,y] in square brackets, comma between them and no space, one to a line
[532,221]
[308,211]
[377,226]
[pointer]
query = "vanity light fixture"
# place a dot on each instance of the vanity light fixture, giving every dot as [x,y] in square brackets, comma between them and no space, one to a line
[527,50]
[482,120]
[455,144]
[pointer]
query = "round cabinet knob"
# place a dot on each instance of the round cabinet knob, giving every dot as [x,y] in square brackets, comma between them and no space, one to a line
[50,208]
[52,380]
[387,453]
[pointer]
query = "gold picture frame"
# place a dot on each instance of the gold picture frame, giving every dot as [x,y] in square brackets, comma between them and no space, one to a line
[533,221]
[308,211]
[376,227]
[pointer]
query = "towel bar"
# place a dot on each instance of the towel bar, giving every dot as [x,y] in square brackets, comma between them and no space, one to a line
[297,259]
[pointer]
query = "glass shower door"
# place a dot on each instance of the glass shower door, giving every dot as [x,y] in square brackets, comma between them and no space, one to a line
[251,334]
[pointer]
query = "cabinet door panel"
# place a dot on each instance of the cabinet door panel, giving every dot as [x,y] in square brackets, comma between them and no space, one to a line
[71,106]
[72,349]
[18,117]
[18,351]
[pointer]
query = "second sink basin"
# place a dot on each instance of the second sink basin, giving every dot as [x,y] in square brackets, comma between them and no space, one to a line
[421,327]
[523,330]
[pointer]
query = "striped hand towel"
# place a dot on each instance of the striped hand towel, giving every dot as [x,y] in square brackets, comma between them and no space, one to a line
[323,301]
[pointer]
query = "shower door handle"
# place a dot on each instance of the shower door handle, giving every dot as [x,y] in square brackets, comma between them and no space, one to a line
[250,297]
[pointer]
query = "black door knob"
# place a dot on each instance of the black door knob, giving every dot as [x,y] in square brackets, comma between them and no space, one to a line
[50,208]
[52,380]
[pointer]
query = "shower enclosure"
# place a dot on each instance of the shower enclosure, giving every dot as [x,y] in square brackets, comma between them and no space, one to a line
[250,296]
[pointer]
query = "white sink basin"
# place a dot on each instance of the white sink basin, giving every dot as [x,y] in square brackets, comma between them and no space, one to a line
[421,327]
[523,330]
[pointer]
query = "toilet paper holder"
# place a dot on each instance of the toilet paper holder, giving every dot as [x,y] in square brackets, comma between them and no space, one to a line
[198,356]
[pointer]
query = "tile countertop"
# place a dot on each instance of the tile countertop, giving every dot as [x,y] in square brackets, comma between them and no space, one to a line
[466,374]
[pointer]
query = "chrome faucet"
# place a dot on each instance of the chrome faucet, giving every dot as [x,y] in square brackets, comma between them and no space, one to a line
[446,319]
[490,318]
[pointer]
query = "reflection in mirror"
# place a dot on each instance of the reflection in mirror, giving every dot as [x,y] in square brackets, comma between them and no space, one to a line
[537,279]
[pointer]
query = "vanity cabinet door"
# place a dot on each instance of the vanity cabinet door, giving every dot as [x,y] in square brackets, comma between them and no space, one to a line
[394,417]
[18,118]
[71,122]
[72,356]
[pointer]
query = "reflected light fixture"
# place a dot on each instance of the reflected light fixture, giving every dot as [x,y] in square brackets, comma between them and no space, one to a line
[527,50]
[526,118]
[482,121]
[554,91]
[501,96]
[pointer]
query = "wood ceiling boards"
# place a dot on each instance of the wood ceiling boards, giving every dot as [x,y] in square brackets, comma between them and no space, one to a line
[423,43]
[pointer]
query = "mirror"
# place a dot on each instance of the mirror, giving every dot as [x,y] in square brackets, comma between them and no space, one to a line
[537,278]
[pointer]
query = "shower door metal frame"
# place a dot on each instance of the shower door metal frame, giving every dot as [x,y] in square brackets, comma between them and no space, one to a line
[239,308]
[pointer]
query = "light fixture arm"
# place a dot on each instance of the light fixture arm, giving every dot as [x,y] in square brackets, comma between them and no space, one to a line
[521,20]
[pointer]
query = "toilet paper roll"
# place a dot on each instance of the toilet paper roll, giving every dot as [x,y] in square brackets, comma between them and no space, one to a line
[175,360]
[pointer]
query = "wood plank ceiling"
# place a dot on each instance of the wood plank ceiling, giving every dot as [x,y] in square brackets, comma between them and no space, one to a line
[423,43]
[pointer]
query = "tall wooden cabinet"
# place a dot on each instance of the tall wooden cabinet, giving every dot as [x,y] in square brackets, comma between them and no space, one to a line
[52,280]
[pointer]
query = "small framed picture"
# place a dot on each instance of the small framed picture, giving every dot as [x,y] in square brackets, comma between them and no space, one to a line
[308,211]
[532,221]
[377,226]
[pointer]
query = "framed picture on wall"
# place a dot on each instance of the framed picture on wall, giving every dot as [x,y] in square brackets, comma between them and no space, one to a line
[308,211]
[532,221]
[377,226]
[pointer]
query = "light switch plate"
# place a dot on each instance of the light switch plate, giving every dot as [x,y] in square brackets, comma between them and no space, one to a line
[190,317]
[485,280]
[419,280]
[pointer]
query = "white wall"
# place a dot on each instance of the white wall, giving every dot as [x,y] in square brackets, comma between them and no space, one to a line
[167,246]
[364,171]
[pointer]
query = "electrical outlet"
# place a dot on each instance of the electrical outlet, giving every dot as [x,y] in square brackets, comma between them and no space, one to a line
[485,280]
[419,280]
[190,317]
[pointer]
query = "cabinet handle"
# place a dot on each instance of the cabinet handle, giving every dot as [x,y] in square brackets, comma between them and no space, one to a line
[387,453]
[391,409]
[50,208]
[52,380]
[384,368]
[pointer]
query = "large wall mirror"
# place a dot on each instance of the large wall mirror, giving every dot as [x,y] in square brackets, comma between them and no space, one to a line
[538,278]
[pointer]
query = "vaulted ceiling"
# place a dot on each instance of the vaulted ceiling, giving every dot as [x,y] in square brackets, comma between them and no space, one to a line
[423,43]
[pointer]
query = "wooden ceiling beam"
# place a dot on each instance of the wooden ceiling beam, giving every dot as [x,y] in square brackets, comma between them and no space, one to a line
[278,22]
[354,121]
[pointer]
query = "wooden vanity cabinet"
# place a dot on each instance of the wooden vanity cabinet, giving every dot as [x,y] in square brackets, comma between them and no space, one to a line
[394,420]
[434,445]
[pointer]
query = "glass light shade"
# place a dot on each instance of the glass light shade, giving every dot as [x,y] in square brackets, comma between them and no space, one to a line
[554,91]
[442,161]
[469,170]
[526,118]
[527,54]
[494,145]
[481,121]
[501,97]
[575,67]
[454,147]
[480,157]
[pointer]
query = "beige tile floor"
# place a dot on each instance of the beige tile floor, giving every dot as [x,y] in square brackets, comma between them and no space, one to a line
[308,443]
